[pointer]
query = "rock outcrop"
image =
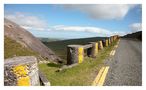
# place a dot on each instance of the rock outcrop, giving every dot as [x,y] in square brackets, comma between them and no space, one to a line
[25,38]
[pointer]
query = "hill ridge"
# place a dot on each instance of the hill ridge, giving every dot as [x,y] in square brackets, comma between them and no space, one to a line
[25,38]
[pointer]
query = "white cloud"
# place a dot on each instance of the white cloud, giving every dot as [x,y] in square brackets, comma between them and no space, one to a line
[35,23]
[103,11]
[136,27]
[27,21]
[98,31]
[34,28]
[118,33]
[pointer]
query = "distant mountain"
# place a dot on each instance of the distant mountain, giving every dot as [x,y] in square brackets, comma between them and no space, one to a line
[26,39]
[80,40]
[48,39]
[136,35]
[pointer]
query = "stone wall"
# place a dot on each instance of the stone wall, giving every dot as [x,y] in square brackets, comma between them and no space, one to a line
[21,71]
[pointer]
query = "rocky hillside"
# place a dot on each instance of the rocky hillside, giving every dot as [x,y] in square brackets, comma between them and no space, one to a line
[13,49]
[26,39]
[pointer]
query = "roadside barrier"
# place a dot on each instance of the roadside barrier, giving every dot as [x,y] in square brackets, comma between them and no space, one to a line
[100,45]
[76,53]
[23,71]
[94,49]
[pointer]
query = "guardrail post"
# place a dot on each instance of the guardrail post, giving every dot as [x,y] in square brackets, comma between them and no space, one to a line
[112,39]
[117,37]
[100,45]
[21,71]
[94,49]
[75,54]
[109,41]
[106,42]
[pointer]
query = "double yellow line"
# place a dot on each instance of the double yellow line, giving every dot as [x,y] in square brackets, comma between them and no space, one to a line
[112,53]
[99,80]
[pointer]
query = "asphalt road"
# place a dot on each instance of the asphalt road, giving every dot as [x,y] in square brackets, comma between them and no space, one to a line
[125,65]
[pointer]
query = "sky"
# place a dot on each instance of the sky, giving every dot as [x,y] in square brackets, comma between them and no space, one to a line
[69,21]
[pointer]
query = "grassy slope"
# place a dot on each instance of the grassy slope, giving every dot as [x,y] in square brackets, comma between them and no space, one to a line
[82,74]
[12,48]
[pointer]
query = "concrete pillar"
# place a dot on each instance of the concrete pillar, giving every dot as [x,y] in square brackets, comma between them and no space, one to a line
[100,45]
[112,38]
[109,41]
[21,71]
[75,54]
[117,37]
[94,49]
[106,42]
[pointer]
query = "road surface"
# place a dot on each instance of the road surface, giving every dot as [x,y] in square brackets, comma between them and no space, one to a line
[125,65]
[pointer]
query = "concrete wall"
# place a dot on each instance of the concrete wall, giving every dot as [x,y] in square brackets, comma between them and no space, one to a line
[21,71]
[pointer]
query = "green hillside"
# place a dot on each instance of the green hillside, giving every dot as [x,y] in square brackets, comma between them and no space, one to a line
[135,35]
[59,47]
[12,48]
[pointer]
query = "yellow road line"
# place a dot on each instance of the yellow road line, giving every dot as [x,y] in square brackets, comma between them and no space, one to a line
[118,42]
[113,53]
[99,80]
[102,79]
[98,76]
[116,46]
